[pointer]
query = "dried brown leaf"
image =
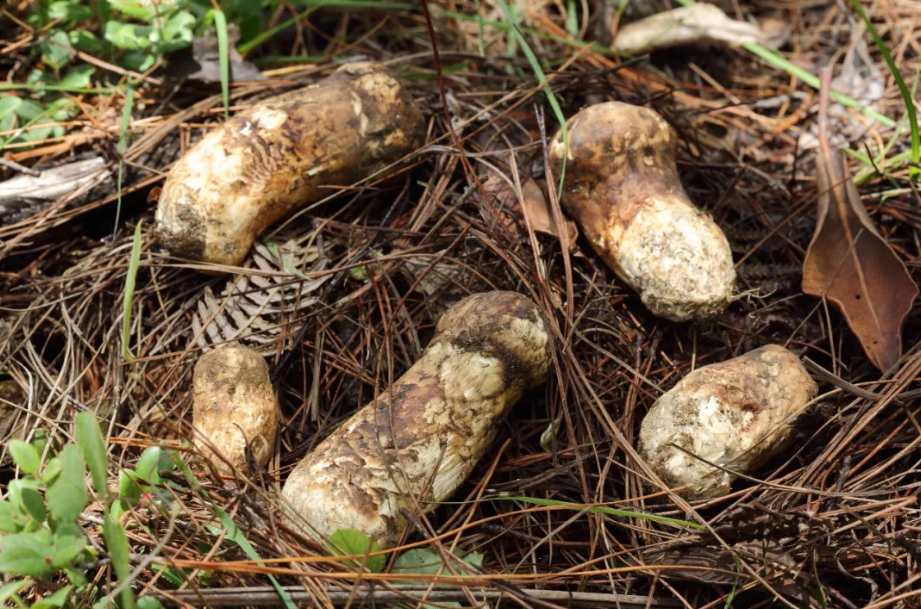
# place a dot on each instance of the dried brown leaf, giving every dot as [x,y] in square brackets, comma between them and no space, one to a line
[533,204]
[253,306]
[849,263]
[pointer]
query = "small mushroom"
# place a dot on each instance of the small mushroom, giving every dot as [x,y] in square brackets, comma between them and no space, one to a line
[234,408]
[622,188]
[735,414]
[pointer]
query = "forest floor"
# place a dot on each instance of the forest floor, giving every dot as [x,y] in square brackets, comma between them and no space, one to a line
[342,296]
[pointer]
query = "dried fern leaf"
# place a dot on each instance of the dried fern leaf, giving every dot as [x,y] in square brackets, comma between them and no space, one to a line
[254,306]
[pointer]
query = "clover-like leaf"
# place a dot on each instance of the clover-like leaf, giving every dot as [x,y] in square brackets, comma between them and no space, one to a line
[348,542]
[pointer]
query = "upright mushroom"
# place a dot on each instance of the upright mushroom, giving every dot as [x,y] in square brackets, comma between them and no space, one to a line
[233,408]
[622,187]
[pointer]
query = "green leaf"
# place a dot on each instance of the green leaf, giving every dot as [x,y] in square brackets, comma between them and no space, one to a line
[130,280]
[418,560]
[27,554]
[25,456]
[132,8]
[119,552]
[61,109]
[15,489]
[52,470]
[8,105]
[220,26]
[474,558]
[128,487]
[428,562]
[139,61]
[34,504]
[66,549]
[68,12]
[9,518]
[349,542]
[67,496]
[149,602]
[148,465]
[56,50]
[58,599]
[128,35]
[9,590]
[89,439]
[177,33]
[86,41]
[78,77]
[29,110]
[76,576]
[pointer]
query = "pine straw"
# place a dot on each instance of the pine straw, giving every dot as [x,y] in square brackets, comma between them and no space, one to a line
[834,520]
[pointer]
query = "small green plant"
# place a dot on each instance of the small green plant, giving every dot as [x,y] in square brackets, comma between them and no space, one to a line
[348,542]
[421,561]
[425,561]
[131,34]
[40,535]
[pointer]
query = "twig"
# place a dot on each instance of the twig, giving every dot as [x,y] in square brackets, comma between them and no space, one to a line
[266,596]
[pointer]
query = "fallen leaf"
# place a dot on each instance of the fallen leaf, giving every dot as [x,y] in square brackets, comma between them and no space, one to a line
[688,25]
[850,264]
[533,204]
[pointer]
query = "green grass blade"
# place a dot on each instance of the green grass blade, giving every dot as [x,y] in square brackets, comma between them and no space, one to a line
[314,5]
[810,79]
[813,81]
[122,148]
[903,88]
[220,24]
[605,510]
[89,439]
[119,553]
[61,88]
[129,292]
[233,531]
[539,72]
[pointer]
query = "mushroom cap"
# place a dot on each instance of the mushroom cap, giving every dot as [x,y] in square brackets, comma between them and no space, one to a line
[234,406]
[514,332]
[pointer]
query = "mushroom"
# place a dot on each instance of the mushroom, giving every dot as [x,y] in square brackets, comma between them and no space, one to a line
[418,441]
[622,188]
[280,155]
[735,414]
[233,408]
